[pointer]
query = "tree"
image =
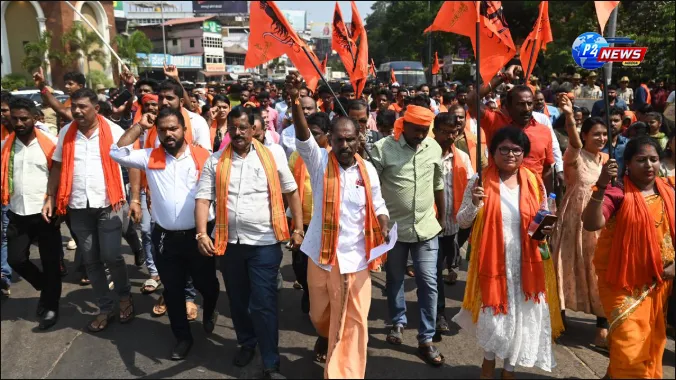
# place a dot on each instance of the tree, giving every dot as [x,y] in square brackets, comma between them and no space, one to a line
[99,77]
[129,45]
[84,44]
[14,81]
[35,52]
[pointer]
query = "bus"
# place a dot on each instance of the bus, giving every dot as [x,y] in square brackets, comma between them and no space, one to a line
[408,73]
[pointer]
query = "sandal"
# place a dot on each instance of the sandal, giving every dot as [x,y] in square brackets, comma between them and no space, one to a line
[84,280]
[127,313]
[150,285]
[396,336]
[507,374]
[297,285]
[431,355]
[100,323]
[487,369]
[160,307]
[321,349]
[191,309]
[451,277]
[410,272]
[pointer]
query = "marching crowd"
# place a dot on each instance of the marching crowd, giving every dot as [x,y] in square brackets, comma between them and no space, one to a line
[233,172]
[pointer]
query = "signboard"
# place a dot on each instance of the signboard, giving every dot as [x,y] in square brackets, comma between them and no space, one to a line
[297,19]
[180,61]
[320,30]
[215,67]
[118,8]
[212,27]
[220,7]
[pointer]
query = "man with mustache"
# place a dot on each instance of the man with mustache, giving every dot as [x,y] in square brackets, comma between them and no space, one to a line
[288,139]
[247,181]
[613,101]
[409,167]
[349,219]
[72,82]
[173,172]
[87,183]
[26,160]
[358,110]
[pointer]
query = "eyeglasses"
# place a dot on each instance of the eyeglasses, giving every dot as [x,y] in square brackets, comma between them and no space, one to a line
[241,128]
[506,151]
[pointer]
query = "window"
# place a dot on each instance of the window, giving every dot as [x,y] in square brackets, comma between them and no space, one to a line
[212,42]
[174,42]
[192,43]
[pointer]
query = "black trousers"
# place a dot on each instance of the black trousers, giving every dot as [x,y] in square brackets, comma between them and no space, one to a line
[176,257]
[448,249]
[21,231]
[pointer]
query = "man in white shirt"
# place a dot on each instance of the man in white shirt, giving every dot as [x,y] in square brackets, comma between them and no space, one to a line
[247,181]
[288,139]
[27,155]
[338,274]
[89,181]
[173,173]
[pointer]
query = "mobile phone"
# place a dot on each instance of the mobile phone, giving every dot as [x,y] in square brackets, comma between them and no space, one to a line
[122,98]
[548,221]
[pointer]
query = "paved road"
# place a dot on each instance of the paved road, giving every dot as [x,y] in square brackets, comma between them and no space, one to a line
[141,348]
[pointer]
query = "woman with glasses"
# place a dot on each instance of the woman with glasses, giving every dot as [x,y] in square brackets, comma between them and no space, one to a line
[573,248]
[506,298]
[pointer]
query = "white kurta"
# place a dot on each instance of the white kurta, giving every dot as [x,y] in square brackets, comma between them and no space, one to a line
[522,337]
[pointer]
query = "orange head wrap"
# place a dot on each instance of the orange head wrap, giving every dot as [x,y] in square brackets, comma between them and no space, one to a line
[414,114]
[148,97]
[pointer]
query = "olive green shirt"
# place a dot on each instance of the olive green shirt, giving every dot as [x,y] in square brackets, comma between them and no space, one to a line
[409,179]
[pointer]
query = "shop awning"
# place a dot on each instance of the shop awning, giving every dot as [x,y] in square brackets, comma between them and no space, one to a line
[214,73]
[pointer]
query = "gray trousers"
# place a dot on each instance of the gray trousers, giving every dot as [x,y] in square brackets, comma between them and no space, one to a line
[99,235]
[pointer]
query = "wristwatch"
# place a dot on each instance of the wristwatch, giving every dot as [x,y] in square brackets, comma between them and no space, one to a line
[200,235]
[299,232]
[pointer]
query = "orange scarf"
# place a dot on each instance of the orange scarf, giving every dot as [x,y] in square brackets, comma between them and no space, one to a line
[47,147]
[111,170]
[331,214]
[158,158]
[396,108]
[492,273]
[414,114]
[636,259]
[279,224]
[4,132]
[459,180]
[546,111]
[139,106]
[648,99]
[152,134]
[300,174]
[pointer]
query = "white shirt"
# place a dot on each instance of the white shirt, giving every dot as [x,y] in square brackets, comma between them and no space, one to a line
[46,128]
[670,98]
[288,140]
[249,213]
[88,181]
[172,190]
[30,176]
[556,149]
[447,169]
[200,132]
[351,249]
[281,108]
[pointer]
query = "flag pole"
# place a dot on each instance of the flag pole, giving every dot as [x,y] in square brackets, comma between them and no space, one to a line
[607,78]
[530,64]
[478,91]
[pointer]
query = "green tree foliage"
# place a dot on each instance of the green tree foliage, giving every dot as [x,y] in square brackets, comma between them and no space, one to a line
[14,81]
[35,52]
[84,43]
[129,45]
[99,77]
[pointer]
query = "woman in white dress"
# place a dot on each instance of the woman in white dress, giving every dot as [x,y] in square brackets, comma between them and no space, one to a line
[505,305]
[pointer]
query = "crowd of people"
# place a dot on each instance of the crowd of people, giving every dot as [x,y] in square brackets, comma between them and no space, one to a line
[234,172]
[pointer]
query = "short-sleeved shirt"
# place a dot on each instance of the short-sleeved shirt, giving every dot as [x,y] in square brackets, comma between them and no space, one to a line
[540,136]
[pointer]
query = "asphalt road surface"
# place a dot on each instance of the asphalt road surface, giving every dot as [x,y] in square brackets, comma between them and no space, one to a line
[141,348]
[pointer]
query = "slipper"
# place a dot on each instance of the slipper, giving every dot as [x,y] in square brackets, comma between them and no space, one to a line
[127,315]
[150,286]
[101,323]
[410,272]
[297,285]
[84,281]
[321,349]
[191,309]
[160,308]
[451,277]
[396,336]
[431,355]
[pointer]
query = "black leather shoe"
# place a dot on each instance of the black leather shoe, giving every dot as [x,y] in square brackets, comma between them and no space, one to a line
[181,350]
[210,323]
[140,258]
[272,374]
[48,320]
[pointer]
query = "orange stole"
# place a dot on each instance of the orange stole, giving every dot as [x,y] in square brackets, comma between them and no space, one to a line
[279,224]
[331,214]
[492,273]
[47,147]
[300,174]
[158,158]
[459,181]
[111,169]
[4,132]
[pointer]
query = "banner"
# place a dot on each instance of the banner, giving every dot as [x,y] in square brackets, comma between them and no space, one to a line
[220,7]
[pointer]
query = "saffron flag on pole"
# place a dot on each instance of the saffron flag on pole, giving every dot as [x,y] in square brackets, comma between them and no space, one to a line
[603,11]
[435,66]
[373,68]
[361,67]
[538,38]
[323,64]
[342,43]
[497,47]
[392,77]
[272,36]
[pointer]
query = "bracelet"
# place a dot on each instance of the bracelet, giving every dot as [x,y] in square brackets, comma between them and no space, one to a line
[136,201]
[299,232]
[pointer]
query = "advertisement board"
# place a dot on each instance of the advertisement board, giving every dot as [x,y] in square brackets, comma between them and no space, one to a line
[118,9]
[220,7]
[181,61]
[297,19]
[212,27]
[215,67]
[320,30]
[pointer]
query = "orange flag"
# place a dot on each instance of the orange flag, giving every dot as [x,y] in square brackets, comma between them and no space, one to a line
[373,68]
[538,38]
[272,36]
[460,17]
[323,65]
[392,77]
[342,43]
[361,67]
[603,11]
[435,66]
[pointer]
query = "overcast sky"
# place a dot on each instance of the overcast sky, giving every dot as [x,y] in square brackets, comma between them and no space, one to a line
[322,11]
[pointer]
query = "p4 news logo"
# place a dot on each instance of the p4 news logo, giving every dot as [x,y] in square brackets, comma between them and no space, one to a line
[627,55]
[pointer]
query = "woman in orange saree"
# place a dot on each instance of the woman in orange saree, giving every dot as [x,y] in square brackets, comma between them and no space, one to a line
[634,259]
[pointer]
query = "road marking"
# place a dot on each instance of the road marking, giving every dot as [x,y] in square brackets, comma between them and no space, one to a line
[580,360]
[68,346]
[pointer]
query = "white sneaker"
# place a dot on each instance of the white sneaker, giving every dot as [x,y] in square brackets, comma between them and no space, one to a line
[71,245]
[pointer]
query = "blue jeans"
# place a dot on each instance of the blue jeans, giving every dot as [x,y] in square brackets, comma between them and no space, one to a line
[250,276]
[146,241]
[6,269]
[424,256]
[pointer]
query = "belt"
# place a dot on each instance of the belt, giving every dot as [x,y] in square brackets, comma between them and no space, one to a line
[190,232]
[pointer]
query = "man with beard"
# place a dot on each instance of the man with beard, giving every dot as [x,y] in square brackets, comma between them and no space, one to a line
[26,161]
[173,172]
[618,141]
[599,106]
[461,96]
[288,139]
[400,97]
[86,182]
[247,181]
[350,218]
[358,110]
[72,82]
[383,100]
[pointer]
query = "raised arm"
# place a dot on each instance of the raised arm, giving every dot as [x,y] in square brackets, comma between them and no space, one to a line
[172,72]
[567,108]
[293,84]
[49,99]
[495,82]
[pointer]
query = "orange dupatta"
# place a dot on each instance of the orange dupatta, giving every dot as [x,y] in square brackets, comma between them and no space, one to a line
[152,134]
[47,147]
[636,259]
[459,180]
[279,224]
[111,169]
[4,132]
[492,272]
[300,174]
[331,214]
[158,158]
